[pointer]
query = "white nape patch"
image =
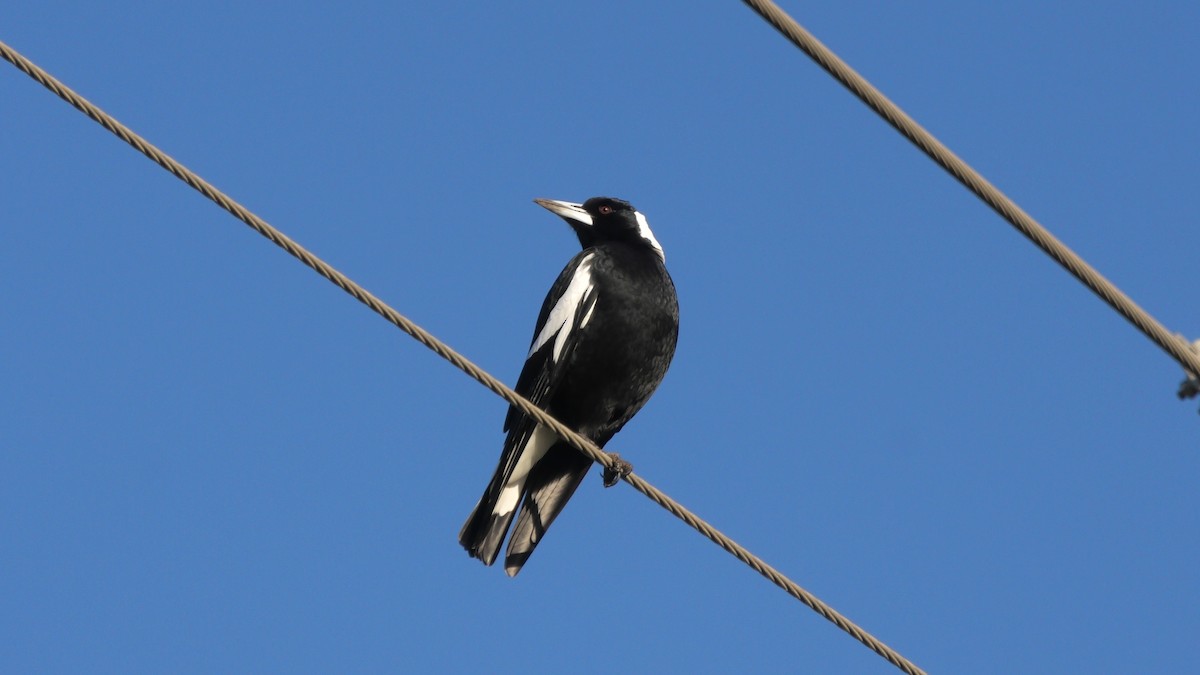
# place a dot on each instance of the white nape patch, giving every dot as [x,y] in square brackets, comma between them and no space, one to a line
[535,448]
[559,321]
[644,230]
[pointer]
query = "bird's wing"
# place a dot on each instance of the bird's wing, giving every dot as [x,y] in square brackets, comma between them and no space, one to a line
[565,312]
[564,315]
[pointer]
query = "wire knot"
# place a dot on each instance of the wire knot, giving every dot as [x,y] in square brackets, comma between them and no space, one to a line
[1190,387]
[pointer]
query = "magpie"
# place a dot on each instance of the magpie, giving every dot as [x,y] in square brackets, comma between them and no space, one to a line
[604,339]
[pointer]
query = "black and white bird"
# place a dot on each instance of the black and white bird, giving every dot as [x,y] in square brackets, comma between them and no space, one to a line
[603,341]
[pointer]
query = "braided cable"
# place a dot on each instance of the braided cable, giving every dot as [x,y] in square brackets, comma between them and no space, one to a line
[1170,342]
[458,360]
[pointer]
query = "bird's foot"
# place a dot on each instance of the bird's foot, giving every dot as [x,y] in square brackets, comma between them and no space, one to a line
[619,470]
[1189,388]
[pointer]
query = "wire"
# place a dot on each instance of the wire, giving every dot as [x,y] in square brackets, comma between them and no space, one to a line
[442,349]
[1173,344]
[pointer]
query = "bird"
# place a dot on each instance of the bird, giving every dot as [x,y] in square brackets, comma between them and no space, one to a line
[603,341]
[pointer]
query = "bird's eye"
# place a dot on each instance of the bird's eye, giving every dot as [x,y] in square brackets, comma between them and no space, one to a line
[606,209]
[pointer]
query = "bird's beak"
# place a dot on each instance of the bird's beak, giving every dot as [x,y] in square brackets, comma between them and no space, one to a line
[573,213]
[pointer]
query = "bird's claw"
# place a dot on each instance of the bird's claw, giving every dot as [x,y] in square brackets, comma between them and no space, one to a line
[1189,388]
[619,470]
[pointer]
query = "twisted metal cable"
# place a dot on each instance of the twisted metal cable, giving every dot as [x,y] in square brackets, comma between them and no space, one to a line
[1171,343]
[442,349]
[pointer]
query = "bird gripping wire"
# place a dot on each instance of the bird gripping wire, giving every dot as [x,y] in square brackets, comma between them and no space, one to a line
[582,444]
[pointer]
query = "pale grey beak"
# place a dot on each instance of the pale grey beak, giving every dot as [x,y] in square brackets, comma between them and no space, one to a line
[569,211]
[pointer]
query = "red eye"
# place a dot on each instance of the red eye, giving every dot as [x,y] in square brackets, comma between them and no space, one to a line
[606,209]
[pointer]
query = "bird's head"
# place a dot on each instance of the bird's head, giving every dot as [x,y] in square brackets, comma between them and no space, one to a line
[602,219]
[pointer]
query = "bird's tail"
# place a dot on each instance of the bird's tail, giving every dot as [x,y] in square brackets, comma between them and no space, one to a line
[550,485]
[483,533]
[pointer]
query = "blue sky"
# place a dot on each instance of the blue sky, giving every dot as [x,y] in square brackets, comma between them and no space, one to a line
[215,461]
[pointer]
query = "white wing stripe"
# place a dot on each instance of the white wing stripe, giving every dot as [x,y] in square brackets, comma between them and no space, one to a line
[558,322]
[535,448]
[587,317]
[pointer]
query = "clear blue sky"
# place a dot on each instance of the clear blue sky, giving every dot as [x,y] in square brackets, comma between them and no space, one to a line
[214,461]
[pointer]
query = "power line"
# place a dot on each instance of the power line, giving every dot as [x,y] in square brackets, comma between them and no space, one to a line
[1171,343]
[442,349]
